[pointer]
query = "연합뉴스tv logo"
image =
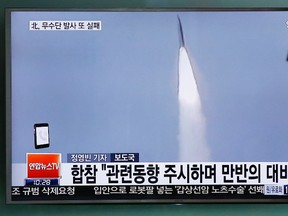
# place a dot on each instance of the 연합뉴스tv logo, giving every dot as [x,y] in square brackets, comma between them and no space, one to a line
[43,165]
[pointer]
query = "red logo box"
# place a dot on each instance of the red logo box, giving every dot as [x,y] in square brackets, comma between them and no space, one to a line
[45,165]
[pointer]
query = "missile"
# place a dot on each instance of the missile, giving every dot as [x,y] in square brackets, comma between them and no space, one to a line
[183,75]
[181,40]
[181,36]
[192,127]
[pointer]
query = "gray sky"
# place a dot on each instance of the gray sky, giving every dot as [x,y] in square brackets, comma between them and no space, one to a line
[115,90]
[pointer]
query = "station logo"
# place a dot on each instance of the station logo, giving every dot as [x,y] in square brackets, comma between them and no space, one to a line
[45,165]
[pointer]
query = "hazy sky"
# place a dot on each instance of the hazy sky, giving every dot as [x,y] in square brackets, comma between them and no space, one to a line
[115,90]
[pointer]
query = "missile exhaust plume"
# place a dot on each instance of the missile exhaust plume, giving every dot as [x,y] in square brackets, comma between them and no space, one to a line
[192,128]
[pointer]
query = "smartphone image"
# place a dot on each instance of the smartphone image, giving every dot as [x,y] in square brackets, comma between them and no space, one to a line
[41,135]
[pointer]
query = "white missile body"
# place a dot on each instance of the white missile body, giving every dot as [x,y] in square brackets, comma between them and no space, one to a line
[192,128]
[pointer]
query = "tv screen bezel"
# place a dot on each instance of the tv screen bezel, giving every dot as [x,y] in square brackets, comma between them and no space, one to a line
[9,131]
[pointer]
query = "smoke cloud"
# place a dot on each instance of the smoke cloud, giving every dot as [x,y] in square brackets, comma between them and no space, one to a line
[192,125]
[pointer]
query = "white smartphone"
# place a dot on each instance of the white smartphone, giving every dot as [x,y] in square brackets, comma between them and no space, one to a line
[41,135]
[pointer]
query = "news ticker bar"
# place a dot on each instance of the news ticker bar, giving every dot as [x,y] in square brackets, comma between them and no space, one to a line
[79,174]
[148,192]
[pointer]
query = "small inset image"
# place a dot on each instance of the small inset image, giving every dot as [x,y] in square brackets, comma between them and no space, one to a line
[41,135]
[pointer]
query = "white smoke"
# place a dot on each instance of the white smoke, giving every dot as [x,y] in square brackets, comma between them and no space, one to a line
[192,126]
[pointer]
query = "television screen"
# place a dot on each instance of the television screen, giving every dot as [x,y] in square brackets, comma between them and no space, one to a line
[172,106]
